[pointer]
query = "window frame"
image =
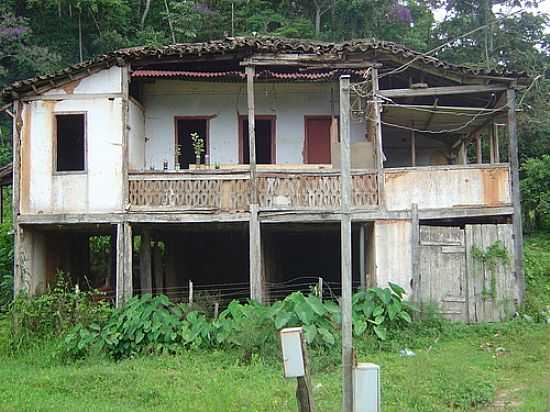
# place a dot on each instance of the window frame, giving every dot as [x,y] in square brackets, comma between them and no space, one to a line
[85,143]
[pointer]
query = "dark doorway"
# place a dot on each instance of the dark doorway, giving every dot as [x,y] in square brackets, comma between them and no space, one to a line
[184,128]
[265,140]
[318,140]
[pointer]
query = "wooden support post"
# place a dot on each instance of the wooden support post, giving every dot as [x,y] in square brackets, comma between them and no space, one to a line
[158,269]
[463,153]
[18,266]
[320,288]
[190,293]
[125,134]
[362,274]
[492,143]
[479,152]
[378,140]
[145,274]
[516,196]
[345,239]
[128,255]
[256,278]
[119,291]
[497,143]
[413,148]
[216,310]
[304,389]
[415,255]
[255,244]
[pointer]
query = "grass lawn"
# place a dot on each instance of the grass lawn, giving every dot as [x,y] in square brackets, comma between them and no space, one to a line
[503,367]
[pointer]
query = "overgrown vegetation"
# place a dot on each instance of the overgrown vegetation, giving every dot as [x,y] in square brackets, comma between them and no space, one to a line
[150,324]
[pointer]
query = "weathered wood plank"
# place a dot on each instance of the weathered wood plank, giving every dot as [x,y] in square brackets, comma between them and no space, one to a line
[441,91]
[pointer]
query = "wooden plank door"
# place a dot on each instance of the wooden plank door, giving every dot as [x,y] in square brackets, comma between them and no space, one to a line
[317,139]
[442,270]
[492,286]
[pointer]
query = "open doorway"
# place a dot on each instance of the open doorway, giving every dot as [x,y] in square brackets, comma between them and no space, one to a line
[265,139]
[185,126]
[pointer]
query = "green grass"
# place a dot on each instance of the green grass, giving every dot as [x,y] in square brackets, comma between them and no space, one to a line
[460,370]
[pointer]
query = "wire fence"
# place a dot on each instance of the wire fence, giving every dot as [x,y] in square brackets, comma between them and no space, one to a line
[212,296]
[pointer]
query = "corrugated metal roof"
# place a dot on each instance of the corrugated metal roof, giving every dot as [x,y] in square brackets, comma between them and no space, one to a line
[247,46]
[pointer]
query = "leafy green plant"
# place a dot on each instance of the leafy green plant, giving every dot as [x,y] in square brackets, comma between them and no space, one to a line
[319,319]
[380,309]
[248,327]
[198,146]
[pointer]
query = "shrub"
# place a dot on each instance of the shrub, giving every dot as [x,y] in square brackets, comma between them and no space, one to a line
[54,312]
[380,308]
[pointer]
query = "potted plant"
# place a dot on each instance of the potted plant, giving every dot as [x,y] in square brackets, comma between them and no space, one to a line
[198,147]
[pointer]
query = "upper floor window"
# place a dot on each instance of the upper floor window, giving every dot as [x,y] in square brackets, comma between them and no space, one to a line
[70,142]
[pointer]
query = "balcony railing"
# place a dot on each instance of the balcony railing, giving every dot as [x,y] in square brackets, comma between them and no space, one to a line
[230,191]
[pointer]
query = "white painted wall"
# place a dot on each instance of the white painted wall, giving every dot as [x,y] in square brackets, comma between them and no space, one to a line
[393,253]
[289,102]
[105,81]
[99,188]
[136,134]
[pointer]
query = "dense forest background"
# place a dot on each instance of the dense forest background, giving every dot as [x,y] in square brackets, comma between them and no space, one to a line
[38,36]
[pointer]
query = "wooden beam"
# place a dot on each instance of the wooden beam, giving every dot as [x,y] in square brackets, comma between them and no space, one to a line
[516,195]
[497,142]
[345,239]
[441,91]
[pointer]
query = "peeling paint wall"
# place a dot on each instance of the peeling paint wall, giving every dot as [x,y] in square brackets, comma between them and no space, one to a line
[105,81]
[447,186]
[289,102]
[99,188]
[393,253]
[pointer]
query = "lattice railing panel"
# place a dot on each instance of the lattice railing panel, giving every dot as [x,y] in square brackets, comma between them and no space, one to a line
[314,191]
[364,191]
[224,194]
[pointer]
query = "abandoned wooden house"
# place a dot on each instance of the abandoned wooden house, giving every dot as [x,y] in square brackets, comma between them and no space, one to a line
[238,164]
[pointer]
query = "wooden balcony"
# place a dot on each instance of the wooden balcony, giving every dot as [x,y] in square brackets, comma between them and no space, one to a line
[229,191]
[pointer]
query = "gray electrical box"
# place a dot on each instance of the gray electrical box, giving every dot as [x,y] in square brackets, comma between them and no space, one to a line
[293,357]
[366,388]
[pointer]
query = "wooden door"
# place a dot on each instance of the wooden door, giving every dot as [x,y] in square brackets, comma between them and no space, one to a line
[442,271]
[492,291]
[468,273]
[317,143]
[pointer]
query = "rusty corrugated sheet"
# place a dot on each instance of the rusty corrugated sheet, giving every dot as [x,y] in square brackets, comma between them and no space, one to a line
[238,75]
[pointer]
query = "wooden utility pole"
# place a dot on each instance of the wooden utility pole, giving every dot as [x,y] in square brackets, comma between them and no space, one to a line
[255,245]
[516,197]
[345,239]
